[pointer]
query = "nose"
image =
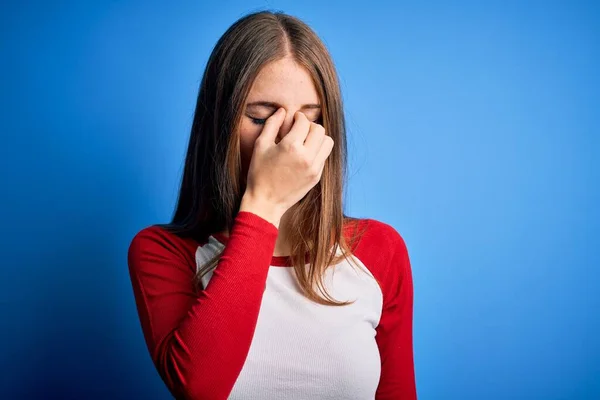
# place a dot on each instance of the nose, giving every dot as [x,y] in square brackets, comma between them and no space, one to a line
[286,126]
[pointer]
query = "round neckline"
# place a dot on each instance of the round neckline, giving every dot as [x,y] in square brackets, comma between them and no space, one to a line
[276,261]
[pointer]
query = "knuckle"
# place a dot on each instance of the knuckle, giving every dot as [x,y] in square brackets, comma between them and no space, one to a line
[287,146]
[294,147]
[314,172]
[259,142]
[306,164]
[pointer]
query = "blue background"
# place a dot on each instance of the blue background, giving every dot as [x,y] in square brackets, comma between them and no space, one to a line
[473,130]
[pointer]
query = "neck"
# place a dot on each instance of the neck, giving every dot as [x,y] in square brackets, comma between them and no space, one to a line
[282,246]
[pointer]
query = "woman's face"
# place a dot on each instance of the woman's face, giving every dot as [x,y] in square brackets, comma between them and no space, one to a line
[282,83]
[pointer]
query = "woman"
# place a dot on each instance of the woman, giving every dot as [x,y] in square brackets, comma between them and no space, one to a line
[260,287]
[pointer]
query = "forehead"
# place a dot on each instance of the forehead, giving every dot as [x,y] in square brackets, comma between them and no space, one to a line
[285,82]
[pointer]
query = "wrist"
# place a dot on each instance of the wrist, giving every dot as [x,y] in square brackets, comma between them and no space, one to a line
[262,208]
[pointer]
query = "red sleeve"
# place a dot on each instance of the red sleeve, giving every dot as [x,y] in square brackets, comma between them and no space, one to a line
[394,333]
[199,341]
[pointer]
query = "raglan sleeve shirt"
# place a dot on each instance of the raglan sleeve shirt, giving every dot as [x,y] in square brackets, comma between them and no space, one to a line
[395,329]
[199,341]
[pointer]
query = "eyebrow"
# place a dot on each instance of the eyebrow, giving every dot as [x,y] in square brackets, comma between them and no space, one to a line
[275,106]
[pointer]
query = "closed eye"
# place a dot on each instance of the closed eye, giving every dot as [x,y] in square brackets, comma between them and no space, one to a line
[261,121]
[258,121]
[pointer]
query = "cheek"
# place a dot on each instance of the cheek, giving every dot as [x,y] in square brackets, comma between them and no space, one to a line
[248,133]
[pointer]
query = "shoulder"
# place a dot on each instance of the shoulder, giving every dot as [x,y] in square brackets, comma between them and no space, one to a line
[381,248]
[158,242]
[375,237]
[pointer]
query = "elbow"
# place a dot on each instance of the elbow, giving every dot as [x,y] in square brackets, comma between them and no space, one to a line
[186,381]
[181,380]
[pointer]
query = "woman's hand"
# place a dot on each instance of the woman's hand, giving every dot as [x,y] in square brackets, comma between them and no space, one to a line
[280,174]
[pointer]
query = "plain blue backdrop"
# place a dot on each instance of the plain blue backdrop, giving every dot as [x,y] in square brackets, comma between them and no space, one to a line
[473,130]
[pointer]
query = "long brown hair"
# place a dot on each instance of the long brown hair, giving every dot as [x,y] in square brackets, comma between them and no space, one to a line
[211,188]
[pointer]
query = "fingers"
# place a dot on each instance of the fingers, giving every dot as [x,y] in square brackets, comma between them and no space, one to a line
[299,130]
[315,138]
[272,125]
[324,151]
[312,136]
